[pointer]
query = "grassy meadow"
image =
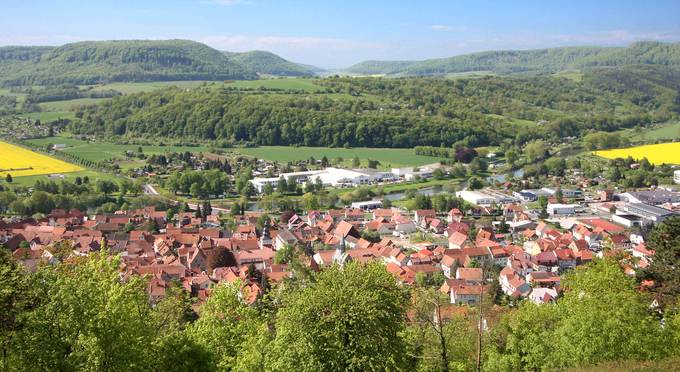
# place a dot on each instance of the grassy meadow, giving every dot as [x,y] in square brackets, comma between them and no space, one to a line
[101,151]
[387,157]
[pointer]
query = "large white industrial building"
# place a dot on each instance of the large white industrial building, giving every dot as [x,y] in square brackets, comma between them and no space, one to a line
[335,177]
[485,197]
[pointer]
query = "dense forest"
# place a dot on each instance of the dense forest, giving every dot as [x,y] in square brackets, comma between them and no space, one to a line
[534,61]
[107,61]
[405,112]
[267,63]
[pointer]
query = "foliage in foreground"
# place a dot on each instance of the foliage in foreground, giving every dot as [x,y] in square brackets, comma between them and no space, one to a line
[81,315]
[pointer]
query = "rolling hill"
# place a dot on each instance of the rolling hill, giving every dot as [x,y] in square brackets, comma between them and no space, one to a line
[529,61]
[267,63]
[110,61]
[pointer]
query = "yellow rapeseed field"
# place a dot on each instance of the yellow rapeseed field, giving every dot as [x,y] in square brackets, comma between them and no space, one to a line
[663,153]
[18,162]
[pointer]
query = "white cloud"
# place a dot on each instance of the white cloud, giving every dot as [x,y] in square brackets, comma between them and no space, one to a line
[323,51]
[449,28]
[615,37]
[39,39]
[228,2]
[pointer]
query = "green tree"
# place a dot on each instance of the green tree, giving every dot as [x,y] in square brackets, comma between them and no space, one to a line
[85,318]
[475,183]
[665,241]
[601,318]
[13,302]
[282,185]
[536,151]
[106,186]
[511,157]
[8,178]
[602,302]
[339,320]
[226,327]
[441,343]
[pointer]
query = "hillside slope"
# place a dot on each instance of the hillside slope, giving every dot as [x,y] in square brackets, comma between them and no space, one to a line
[106,61]
[403,112]
[529,61]
[267,63]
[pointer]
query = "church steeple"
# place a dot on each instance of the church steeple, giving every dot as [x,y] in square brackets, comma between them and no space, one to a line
[341,257]
[265,239]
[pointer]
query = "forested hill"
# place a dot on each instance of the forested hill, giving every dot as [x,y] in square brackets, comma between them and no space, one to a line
[126,60]
[267,63]
[406,112]
[529,61]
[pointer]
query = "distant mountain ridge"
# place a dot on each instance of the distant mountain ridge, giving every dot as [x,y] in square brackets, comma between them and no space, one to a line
[267,63]
[527,61]
[91,62]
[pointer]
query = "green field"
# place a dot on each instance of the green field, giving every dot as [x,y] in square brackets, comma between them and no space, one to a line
[386,157]
[47,116]
[92,175]
[130,88]
[662,131]
[574,75]
[273,83]
[97,151]
[307,85]
[70,104]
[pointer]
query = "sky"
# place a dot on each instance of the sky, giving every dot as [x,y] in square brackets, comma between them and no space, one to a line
[335,34]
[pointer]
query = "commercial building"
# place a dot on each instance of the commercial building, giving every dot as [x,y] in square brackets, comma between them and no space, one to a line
[562,209]
[653,197]
[476,197]
[485,197]
[567,193]
[649,213]
[335,177]
[367,205]
[410,173]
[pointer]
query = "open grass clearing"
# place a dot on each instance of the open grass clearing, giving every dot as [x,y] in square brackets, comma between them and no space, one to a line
[70,104]
[101,151]
[387,157]
[307,85]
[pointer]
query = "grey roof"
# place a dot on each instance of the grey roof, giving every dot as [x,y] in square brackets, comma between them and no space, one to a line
[649,209]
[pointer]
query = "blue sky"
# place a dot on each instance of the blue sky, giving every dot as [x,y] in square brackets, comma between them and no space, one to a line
[338,33]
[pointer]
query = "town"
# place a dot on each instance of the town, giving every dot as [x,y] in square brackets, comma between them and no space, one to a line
[529,249]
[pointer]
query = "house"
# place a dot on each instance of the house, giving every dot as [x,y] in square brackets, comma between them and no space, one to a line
[449,263]
[454,215]
[500,256]
[462,293]
[543,295]
[512,284]
[458,240]
[404,225]
[469,274]
[283,238]
[422,214]
[543,279]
